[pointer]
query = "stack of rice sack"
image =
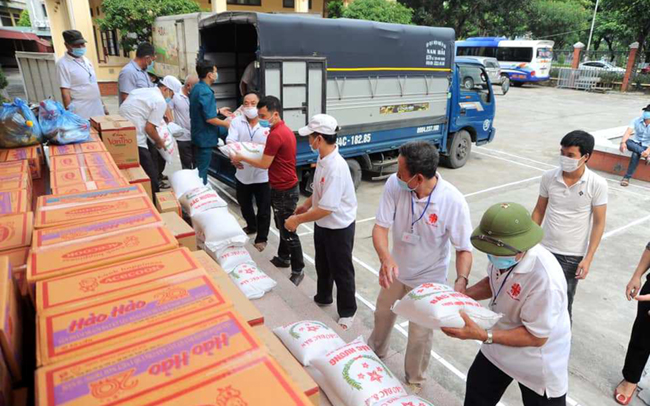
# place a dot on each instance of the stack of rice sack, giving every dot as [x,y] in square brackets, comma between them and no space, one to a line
[219,233]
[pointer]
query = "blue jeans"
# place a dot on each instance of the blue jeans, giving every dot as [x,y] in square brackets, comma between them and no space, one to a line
[636,149]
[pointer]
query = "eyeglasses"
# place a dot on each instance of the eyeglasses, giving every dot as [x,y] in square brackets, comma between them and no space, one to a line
[495,241]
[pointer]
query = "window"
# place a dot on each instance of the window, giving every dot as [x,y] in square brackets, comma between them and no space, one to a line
[44,10]
[110,44]
[515,54]
[490,52]
[292,4]
[545,53]
[5,19]
[245,2]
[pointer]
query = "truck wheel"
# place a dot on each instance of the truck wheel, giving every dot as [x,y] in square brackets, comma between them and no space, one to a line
[306,183]
[468,83]
[355,171]
[505,84]
[458,150]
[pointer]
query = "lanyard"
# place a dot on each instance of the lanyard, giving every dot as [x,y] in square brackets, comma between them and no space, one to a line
[423,211]
[84,67]
[252,135]
[494,301]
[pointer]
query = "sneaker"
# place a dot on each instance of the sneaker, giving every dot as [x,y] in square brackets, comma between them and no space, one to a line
[280,263]
[248,230]
[296,278]
[164,184]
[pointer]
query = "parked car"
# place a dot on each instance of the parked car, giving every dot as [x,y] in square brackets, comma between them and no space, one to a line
[493,69]
[601,65]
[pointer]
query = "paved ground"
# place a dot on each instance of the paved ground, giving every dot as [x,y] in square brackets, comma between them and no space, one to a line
[530,122]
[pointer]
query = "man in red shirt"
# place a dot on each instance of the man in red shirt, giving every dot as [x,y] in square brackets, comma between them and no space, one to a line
[280,159]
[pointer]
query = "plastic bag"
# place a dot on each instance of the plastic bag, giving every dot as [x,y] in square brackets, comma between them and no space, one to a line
[61,126]
[18,125]
[170,144]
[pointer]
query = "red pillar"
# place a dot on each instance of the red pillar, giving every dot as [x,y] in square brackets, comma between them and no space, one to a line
[577,49]
[634,48]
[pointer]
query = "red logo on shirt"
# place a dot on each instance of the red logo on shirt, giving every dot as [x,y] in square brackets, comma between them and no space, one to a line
[322,180]
[433,219]
[515,290]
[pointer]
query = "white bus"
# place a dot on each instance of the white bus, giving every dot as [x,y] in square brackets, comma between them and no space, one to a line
[522,60]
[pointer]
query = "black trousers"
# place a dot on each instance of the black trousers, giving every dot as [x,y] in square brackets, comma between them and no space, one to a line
[638,349]
[150,165]
[334,265]
[569,265]
[284,203]
[185,152]
[486,384]
[262,194]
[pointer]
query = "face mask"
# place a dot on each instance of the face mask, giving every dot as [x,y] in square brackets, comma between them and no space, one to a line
[569,164]
[78,52]
[265,123]
[503,262]
[150,66]
[405,185]
[168,100]
[314,150]
[646,115]
[250,112]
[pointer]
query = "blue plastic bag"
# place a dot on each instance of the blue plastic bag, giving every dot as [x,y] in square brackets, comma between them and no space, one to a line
[18,125]
[60,126]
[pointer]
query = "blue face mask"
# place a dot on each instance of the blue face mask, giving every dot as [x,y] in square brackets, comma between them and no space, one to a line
[503,262]
[405,185]
[168,100]
[78,52]
[264,123]
[646,115]
[150,66]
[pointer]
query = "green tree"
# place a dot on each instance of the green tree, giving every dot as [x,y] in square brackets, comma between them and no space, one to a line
[134,18]
[565,22]
[335,9]
[632,18]
[24,20]
[378,10]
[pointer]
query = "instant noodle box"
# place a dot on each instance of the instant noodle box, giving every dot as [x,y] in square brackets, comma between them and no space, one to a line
[16,230]
[89,186]
[106,324]
[74,290]
[8,168]
[137,175]
[32,154]
[53,237]
[166,202]
[15,201]
[10,321]
[17,256]
[119,137]
[49,201]
[182,231]
[13,181]
[104,251]
[84,213]
[72,149]
[64,162]
[6,395]
[148,370]
[82,175]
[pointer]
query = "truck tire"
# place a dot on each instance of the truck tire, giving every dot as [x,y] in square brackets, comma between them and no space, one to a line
[355,171]
[306,183]
[468,83]
[458,150]
[505,84]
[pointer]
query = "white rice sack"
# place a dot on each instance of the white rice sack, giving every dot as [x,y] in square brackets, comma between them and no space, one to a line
[247,149]
[175,130]
[357,376]
[170,144]
[434,305]
[201,199]
[250,280]
[185,180]
[325,386]
[233,256]
[308,339]
[218,229]
[411,400]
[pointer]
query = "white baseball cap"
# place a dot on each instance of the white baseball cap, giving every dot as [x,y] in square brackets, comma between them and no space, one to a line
[320,123]
[172,83]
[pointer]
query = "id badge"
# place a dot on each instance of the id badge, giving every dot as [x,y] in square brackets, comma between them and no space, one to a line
[410,238]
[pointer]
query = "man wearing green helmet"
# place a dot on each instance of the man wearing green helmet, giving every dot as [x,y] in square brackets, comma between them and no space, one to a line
[532,340]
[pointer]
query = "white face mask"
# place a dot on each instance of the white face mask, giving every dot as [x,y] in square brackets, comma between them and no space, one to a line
[250,112]
[569,164]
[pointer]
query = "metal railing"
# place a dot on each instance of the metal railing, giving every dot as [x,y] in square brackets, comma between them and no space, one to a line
[580,79]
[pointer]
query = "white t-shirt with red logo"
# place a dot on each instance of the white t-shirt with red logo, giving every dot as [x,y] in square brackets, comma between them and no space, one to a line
[445,223]
[534,296]
[334,191]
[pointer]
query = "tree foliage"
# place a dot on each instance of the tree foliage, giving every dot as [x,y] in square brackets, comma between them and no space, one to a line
[134,18]
[375,10]
[628,21]
[24,20]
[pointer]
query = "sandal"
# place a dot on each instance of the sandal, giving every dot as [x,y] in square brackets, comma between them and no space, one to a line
[620,398]
[625,182]
[346,322]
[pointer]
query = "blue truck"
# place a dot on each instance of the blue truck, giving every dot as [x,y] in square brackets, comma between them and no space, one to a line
[386,84]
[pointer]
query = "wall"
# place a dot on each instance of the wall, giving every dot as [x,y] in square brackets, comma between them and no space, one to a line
[109,67]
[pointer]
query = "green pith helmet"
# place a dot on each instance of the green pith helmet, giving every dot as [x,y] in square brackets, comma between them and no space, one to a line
[506,229]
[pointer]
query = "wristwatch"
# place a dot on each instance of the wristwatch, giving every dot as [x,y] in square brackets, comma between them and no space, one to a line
[488,340]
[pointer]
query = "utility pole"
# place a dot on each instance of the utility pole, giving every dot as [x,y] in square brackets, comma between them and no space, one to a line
[591,32]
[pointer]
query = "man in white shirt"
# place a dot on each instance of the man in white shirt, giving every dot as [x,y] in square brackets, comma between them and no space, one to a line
[248,82]
[427,215]
[180,106]
[532,340]
[571,208]
[252,182]
[79,88]
[333,206]
[146,108]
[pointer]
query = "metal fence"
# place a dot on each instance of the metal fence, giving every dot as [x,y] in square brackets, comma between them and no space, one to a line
[38,71]
[580,79]
[617,58]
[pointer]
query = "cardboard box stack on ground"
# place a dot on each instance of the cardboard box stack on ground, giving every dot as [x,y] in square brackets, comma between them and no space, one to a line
[71,149]
[11,340]
[166,202]
[137,175]
[119,137]
[15,188]
[32,154]
[182,231]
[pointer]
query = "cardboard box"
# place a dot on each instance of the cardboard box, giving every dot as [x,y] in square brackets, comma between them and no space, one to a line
[9,168]
[120,139]
[17,256]
[240,302]
[289,364]
[13,181]
[10,322]
[89,186]
[104,251]
[53,237]
[147,369]
[97,121]
[15,201]
[32,154]
[137,175]
[73,290]
[82,175]
[65,162]
[16,230]
[106,195]
[166,202]
[6,395]
[109,323]
[84,213]
[73,149]
[182,231]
